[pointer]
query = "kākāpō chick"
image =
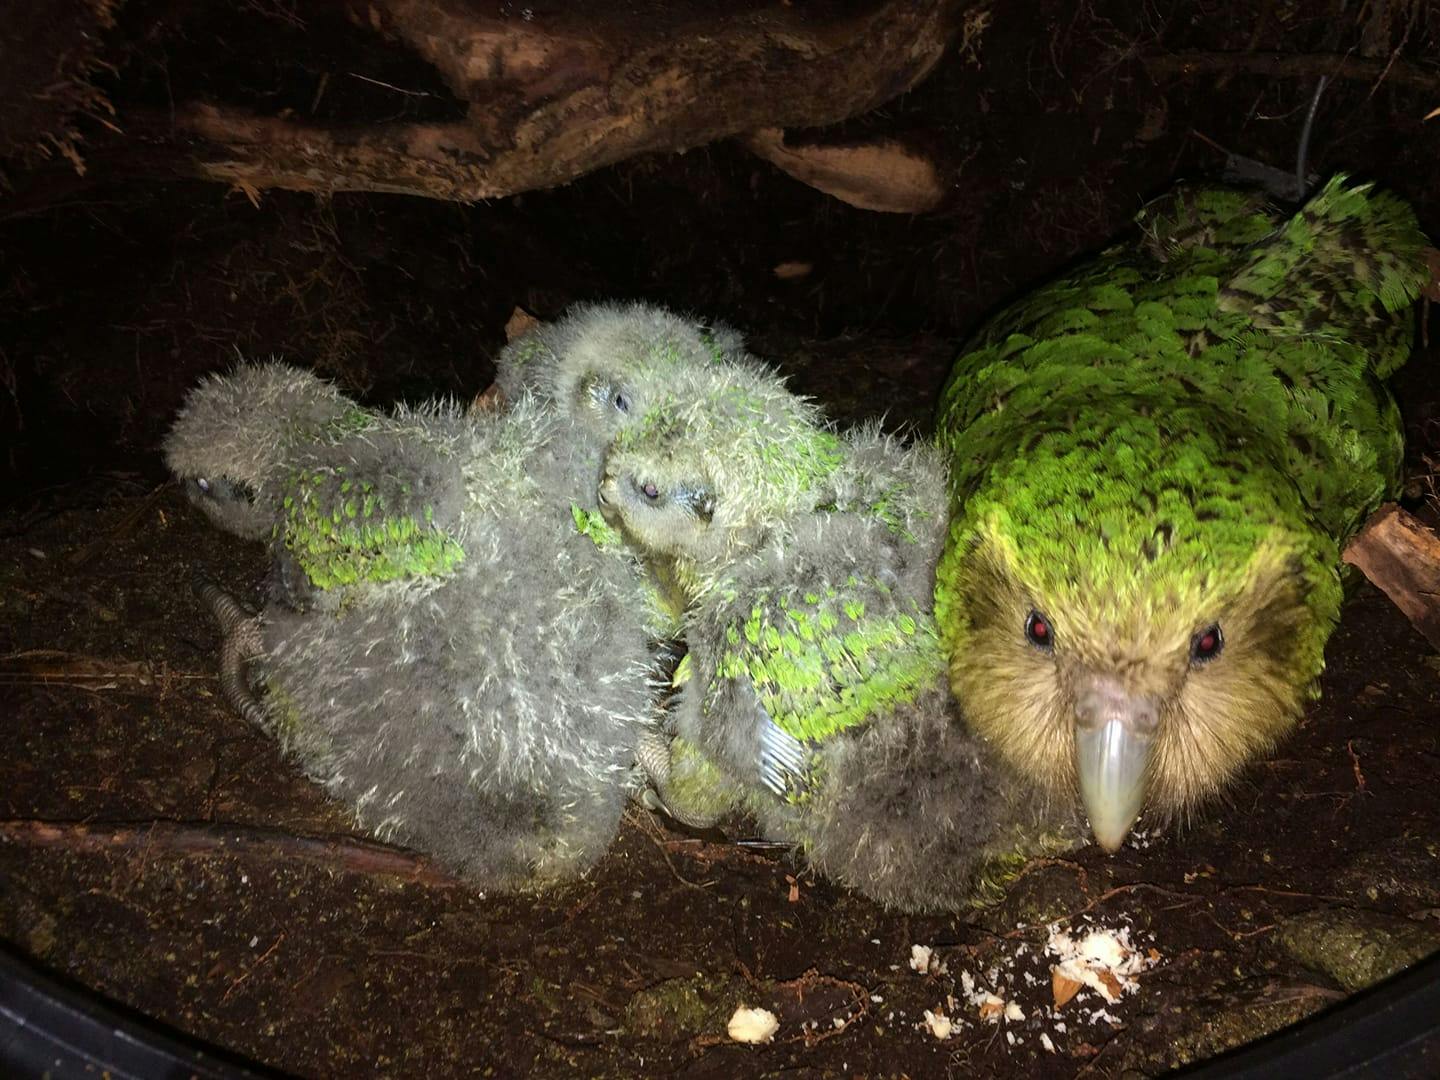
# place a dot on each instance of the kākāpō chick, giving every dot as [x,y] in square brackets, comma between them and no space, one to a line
[229,443]
[454,647]
[489,716]
[1154,464]
[602,362]
[813,692]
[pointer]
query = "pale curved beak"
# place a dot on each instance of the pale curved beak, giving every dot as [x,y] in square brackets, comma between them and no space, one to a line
[1114,742]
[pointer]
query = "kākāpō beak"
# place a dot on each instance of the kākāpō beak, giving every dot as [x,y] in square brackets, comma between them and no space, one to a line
[1114,741]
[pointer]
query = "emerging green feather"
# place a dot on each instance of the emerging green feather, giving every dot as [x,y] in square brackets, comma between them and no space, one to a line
[823,662]
[345,532]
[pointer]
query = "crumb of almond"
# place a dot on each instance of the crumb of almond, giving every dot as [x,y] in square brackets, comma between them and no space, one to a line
[1103,960]
[753,1025]
[924,960]
[992,1007]
[940,1025]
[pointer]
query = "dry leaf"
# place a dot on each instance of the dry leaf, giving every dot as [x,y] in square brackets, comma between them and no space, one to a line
[879,174]
[794,889]
[789,271]
[520,321]
[991,1008]
[1432,114]
[1062,987]
[488,401]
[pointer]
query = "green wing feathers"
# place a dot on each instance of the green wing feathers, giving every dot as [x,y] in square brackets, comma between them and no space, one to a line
[824,660]
[364,508]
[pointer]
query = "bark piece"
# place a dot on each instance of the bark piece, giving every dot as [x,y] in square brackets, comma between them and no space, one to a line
[879,175]
[1402,558]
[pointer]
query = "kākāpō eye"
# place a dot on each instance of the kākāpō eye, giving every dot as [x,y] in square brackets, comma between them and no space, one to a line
[621,401]
[1206,645]
[1039,632]
[650,491]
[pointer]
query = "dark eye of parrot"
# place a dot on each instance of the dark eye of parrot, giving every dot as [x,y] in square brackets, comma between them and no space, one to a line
[650,491]
[621,401]
[1039,632]
[1206,645]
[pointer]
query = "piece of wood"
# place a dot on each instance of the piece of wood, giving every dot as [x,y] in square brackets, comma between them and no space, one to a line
[880,174]
[1401,556]
[192,839]
[555,94]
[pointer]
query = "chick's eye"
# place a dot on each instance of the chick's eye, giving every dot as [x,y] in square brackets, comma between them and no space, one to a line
[1039,632]
[650,491]
[621,401]
[1206,645]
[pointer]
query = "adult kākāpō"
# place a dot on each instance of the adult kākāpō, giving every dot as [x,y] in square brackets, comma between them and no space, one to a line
[1155,462]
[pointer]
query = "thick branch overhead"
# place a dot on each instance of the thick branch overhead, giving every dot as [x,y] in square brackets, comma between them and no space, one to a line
[551,98]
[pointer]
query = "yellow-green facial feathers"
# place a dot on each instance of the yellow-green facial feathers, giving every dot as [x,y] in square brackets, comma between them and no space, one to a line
[1129,578]
[1160,456]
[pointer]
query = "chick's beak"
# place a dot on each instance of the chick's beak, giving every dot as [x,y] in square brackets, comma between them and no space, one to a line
[1114,741]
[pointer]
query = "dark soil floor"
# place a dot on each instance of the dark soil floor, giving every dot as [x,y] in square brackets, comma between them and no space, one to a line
[115,297]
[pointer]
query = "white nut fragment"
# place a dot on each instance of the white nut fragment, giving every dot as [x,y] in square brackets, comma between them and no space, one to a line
[1103,960]
[1103,948]
[924,960]
[753,1025]
[939,1023]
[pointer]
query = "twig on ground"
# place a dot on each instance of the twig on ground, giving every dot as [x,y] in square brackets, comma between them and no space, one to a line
[647,825]
[190,839]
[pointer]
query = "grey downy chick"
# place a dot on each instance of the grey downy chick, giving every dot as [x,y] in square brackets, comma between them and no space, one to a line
[488,716]
[462,656]
[814,680]
[231,439]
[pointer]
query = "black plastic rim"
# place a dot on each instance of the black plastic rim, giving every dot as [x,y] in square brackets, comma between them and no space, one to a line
[51,1029]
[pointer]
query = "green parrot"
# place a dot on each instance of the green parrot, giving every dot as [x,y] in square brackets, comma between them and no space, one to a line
[1155,462]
